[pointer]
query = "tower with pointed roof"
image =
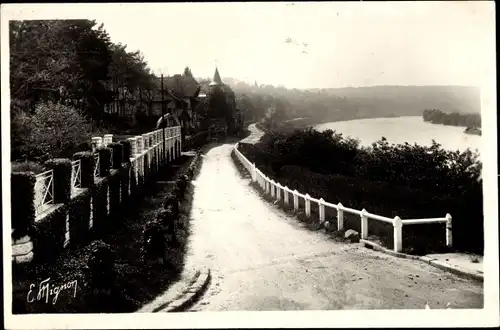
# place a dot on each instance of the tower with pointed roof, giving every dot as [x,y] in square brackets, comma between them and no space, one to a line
[217,81]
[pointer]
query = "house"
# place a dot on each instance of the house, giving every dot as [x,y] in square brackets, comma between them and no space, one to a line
[185,90]
[234,117]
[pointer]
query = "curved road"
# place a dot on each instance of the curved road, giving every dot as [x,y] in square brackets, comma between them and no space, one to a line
[261,259]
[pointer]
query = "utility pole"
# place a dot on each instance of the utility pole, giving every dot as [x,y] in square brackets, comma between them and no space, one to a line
[163,117]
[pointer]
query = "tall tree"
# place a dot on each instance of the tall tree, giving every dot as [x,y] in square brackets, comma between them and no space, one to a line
[187,72]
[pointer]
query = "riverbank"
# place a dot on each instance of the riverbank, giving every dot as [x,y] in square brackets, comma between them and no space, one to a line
[412,182]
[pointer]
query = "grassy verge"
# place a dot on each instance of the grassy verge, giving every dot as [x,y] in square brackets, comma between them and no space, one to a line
[136,283]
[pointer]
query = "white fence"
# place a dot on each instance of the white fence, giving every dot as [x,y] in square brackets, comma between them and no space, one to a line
[44,190]
[76,175]
[278,191]
[141,145]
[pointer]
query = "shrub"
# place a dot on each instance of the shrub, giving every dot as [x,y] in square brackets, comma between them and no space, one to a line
[181,185]
[104,160]
[411,181]
[127,150]
[79,215]
[62,178]
[171,202]
[101,266]
[178,192]
[166,217]
[114,186]
[49,235]
[125,182]
[154,242]
[27,166]
[117,152]
[22,205]
[87,165]
[99,204]
[55,130]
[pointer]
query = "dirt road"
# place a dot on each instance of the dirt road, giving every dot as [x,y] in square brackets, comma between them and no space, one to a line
[261,259]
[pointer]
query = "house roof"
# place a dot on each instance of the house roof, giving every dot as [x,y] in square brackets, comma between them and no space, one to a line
[167,93]
[182,86]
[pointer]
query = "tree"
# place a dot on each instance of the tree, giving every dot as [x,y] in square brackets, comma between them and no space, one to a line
[187,72]
[67,59]
[55,130]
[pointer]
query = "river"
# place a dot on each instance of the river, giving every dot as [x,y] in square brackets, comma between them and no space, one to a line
[405,129]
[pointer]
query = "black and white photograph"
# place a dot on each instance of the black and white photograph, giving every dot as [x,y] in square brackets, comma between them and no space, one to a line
[249,164]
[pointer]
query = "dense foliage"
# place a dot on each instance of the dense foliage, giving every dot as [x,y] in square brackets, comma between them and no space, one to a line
[54,130]
[411,181]
[435,116]
[67,71]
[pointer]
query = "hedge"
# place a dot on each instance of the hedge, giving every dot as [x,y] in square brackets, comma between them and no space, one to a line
[99,204]
[49,235]
[127,150]
[133,182]
[86,167]
[125,182]
[104,161]
[79,216]
[171,202]
[22,202]
[114,184]
[117,154]
[62,178]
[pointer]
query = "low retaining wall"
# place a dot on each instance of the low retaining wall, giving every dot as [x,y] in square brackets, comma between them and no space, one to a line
[81,198]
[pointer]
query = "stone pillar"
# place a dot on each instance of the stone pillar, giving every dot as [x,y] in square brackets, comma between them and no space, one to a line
[96,142]
[140,144]
[145,138]
[108,138]
[133,145]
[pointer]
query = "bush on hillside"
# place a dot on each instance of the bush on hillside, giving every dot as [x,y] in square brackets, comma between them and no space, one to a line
[411,181]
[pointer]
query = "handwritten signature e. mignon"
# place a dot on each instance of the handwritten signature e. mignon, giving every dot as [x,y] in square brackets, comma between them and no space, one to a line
[47,290]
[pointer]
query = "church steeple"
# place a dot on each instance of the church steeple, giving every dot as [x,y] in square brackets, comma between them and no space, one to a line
[217,80]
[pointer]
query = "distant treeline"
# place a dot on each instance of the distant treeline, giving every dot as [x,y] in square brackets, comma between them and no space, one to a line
[435,116]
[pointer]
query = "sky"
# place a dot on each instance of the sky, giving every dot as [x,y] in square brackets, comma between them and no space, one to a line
[348,44]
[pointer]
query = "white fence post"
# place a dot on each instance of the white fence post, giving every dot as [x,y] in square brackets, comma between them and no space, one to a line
[340,217]
[364,224]
[286,195]
[321,207]
[268,185]
[273,188]
[295,199]
[254,172]
[307,200]
[398,234]
[278,191]
[449,234]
